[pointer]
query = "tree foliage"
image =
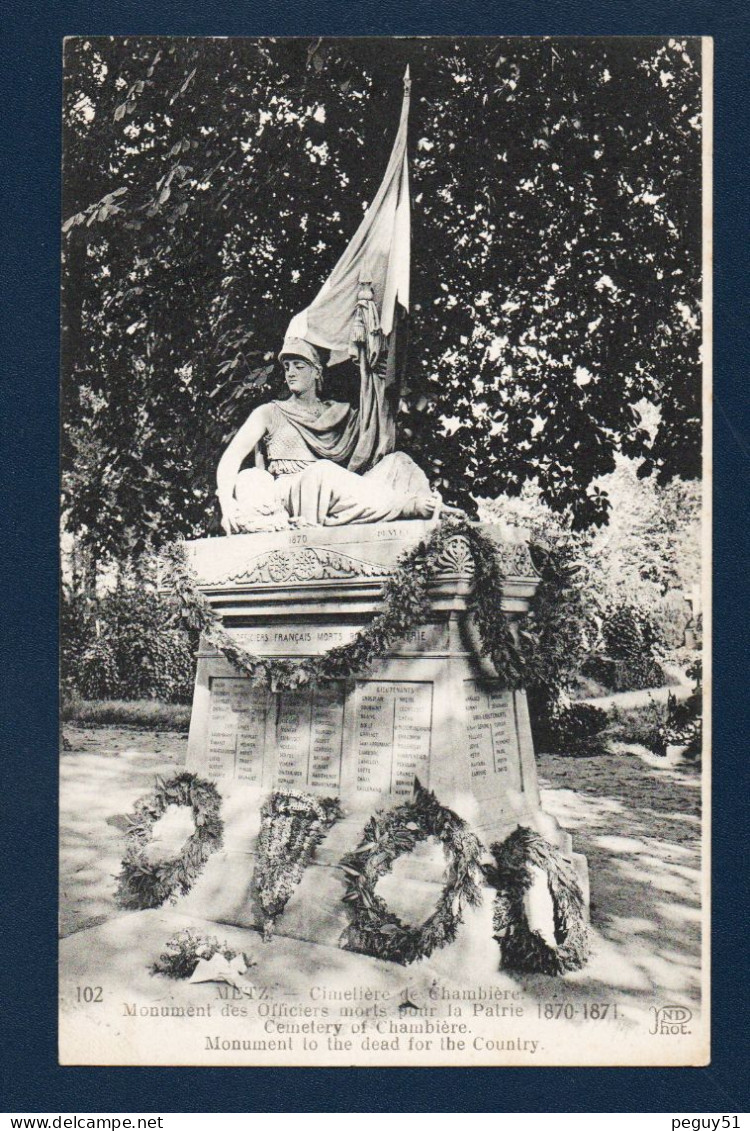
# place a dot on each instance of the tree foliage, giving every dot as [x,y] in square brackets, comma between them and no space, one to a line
[649,548]
[652,542]
[130,644]
[210,186]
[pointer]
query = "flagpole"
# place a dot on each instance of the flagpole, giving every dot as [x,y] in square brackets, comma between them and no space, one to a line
[356,311]
[372,343]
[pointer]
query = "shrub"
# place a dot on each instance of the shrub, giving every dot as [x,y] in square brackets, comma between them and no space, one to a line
[643,725]
[635,674]
[629,632]
[631,640]
[684,725]
[154,657]
[660,725]
[561,626]
[98,676]
[577,729]
[129,644]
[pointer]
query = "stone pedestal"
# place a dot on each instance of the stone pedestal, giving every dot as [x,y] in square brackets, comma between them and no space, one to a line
[430,709]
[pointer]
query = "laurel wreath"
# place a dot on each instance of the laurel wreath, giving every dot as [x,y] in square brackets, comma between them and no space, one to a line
[292,825]
[142,883]
[405,604]
[521,948]
[374,929]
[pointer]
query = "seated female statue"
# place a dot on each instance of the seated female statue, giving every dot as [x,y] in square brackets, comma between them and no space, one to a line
[307,441]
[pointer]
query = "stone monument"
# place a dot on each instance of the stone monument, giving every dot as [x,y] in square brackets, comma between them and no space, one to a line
[316,528]
[431,709]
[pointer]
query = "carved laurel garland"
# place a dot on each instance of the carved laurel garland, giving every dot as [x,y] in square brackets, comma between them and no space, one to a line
[313,563]
[453,547]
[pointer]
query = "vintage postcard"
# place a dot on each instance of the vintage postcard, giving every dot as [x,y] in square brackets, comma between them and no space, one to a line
[385,551]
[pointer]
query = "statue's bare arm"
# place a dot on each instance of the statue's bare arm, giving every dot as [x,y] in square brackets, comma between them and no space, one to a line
[245,440]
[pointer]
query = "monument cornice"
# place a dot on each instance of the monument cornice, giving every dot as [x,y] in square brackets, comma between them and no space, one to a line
[325,571]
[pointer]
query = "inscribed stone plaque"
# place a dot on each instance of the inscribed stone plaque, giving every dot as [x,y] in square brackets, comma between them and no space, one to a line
[309,738]
[305,727]
[236,730]
[327,737]
[494,756]
[394,721]
[293,738]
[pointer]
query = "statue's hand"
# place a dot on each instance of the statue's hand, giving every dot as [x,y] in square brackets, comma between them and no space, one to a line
[434,504]
[456,511]
[230,516]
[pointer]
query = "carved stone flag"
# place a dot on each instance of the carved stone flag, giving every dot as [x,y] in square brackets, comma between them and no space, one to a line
[377,254]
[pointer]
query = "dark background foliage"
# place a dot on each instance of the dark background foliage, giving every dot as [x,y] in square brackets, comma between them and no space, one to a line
[129,644]
[210,185]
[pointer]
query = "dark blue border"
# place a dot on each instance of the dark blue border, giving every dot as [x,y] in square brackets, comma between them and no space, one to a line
[30,189]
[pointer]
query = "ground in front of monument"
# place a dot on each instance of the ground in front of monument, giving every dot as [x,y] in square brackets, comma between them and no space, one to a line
[638,825]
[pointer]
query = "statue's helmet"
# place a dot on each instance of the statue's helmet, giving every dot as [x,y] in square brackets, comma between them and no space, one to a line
[298,347]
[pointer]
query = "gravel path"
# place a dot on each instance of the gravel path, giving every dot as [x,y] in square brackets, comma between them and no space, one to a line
[681,688]
[639,827]
[104,772]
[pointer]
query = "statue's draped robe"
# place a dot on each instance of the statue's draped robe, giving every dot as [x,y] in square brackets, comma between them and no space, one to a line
[306,480]
[355,439]
[342,467]
[294,436]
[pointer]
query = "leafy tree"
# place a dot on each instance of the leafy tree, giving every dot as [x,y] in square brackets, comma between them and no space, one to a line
[210,186]
[652,542]
[130,644]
